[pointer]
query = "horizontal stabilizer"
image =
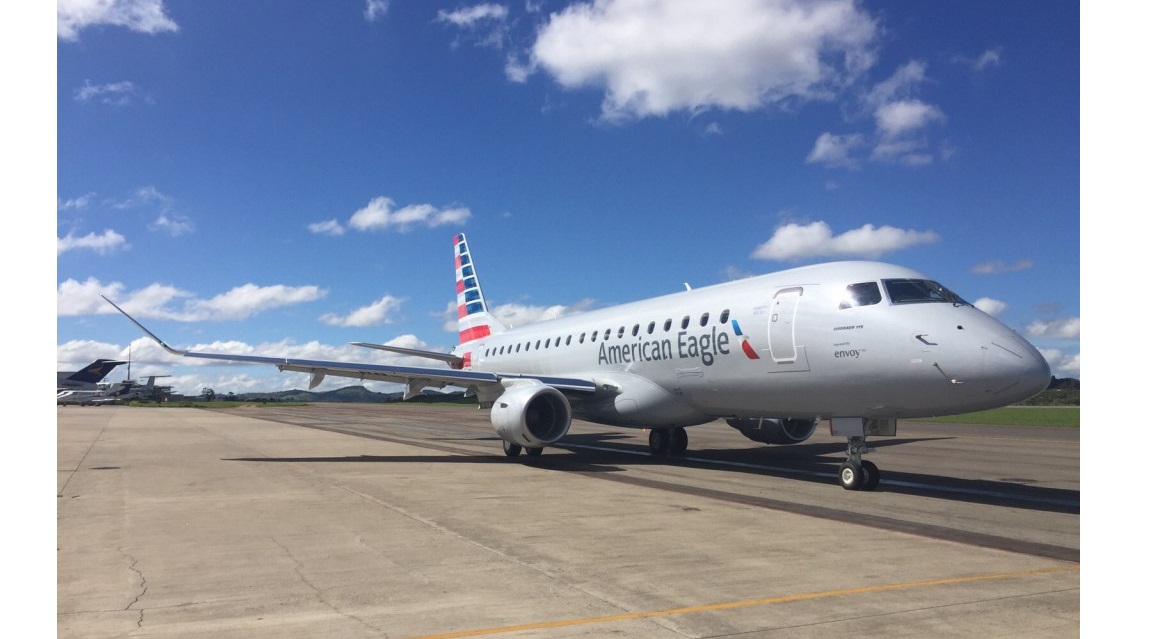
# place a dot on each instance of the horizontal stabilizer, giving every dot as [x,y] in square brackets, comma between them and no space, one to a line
[452,360]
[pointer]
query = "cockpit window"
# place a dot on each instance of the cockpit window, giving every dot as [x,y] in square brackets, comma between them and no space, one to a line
[919,291]
[862,294]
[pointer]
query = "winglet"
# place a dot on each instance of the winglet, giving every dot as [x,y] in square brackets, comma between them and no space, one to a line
[146,331]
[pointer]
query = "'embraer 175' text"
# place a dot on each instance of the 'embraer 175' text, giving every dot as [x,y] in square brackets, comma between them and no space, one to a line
[703,347]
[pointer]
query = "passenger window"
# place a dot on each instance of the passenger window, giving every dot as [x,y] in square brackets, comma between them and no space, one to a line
[517,348]
[568,340]
[537,344]
[684,322]
[724,317]
[704,319]
[594,334]
[581,338]
[651,327]
[862,294]
[547,342]
[667,325]
[620,333]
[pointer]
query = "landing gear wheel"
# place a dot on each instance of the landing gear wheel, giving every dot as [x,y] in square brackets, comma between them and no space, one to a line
[678,441]
[511,450]
[852,476]
[872,473]
[534,452]
[659,440]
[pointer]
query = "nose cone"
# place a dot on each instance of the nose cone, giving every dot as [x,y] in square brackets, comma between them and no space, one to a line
[1014,369]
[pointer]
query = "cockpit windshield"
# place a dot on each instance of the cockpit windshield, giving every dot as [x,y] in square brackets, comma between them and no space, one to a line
[862,294]
[902,291]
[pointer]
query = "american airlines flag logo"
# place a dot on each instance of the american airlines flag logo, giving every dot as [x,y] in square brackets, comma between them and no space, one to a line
[472,311]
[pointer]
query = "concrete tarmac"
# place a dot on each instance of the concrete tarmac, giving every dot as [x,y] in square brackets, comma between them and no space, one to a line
[405,521]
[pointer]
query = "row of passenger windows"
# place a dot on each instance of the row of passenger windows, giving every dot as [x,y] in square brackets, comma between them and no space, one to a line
[605,335]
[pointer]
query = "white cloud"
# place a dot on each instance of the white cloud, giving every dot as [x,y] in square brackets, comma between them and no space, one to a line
[654,58]
[327,227]
[485,24]
[1061,364]
[990,306]
[471,16]
[103,243]
[1065,328]
[989,58]
[143,16]
[375,314]
[75,203]
[174,225]
[515,315]
[835,150]
[249,299]
[375,9]
[796,241]
[162,301]
[999,266]
[897,119]
[379,215]
[901,124]
[115,93]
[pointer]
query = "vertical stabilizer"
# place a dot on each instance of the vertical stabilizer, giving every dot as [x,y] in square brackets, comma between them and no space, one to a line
[475,322]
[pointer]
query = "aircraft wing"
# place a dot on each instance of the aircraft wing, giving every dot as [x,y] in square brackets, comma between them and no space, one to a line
[415,377]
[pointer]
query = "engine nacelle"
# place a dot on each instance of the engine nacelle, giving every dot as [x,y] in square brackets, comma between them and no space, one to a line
[774,431]
[531,414]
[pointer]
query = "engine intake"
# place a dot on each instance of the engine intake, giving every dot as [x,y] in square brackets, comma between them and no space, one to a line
[531,414]
[774,431]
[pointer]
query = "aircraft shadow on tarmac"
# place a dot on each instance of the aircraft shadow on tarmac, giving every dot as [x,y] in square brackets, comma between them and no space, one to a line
[609,452]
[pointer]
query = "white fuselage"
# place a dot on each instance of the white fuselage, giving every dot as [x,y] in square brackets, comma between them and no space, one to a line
[783,345]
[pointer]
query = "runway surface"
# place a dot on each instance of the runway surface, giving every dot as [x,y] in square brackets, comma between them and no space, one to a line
[406,520]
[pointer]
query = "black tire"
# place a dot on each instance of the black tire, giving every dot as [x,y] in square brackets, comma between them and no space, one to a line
[678,441]
[534,452]
[852,476]
[873,474]
[658,441]
[511,450]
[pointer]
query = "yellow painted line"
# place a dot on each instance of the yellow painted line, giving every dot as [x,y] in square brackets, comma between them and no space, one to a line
[743,604]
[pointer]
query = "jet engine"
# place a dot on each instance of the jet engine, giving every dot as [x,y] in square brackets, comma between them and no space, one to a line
[774,431]
[531,414]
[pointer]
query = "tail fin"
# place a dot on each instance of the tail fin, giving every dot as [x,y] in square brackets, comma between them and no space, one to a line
[475,322]
[95,371]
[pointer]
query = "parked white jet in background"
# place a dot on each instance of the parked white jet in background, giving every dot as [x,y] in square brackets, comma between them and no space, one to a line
[127,390]
[858,343]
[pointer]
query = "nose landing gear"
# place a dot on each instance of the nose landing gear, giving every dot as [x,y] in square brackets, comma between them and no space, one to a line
[857,473]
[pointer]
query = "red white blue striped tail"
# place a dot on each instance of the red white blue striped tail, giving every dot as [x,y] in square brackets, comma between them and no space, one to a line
[474,321]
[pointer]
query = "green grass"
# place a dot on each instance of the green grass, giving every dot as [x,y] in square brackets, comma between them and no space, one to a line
[1055,416]
[1059,416]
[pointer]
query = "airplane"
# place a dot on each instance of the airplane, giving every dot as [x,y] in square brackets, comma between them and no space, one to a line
[88,377]
[114,392]
[126,390]
[859,344]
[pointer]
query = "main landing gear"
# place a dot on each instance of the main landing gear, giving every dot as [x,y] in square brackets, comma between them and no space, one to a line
[668,441]
[857,473]
[512,451]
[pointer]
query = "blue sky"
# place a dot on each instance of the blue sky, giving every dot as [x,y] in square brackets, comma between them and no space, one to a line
[286,177]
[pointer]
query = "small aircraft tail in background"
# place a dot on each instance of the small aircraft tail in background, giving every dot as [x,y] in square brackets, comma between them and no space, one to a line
[87,377]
